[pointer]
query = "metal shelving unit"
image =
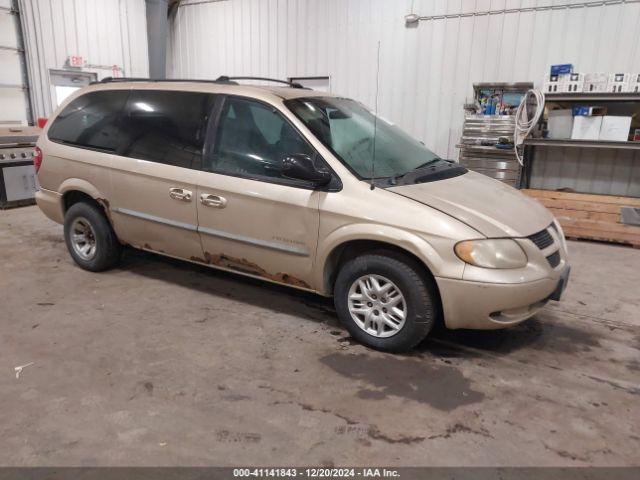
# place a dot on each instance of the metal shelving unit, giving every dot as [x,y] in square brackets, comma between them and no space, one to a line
[593,97]
[548,142]
[497,163]
[583,213]
[481,133]
[566,100]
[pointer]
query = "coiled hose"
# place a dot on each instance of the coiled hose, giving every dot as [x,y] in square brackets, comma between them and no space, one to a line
[524,122]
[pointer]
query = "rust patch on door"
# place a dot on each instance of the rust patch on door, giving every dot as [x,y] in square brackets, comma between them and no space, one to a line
[288,279]
[239,264]
[243,265]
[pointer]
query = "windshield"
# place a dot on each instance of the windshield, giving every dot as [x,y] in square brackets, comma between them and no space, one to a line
[347,128]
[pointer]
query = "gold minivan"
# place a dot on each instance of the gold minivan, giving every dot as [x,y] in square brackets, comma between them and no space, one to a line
[301,188]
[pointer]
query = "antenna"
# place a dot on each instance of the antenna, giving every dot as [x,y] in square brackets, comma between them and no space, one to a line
[375,118]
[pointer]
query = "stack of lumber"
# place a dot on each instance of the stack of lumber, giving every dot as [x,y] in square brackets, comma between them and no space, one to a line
[592,217]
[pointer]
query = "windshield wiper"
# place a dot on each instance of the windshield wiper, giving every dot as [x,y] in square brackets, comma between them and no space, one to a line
[426,164]
[394,178]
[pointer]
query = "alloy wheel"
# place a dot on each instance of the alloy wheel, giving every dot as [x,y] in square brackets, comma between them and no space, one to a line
[377,305]
[83,238]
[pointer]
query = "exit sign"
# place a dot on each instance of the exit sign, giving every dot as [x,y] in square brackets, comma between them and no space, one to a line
[76,61]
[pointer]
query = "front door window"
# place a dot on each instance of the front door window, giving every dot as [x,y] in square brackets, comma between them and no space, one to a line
[253,139]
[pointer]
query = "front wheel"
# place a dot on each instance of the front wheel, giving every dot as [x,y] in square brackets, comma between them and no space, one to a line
[384,301]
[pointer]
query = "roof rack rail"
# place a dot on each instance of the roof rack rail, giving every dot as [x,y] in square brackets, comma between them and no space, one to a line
[226,79]
[222,79]
[140,79]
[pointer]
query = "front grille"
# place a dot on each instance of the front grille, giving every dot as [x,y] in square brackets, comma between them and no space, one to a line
[554,259]
[542,239]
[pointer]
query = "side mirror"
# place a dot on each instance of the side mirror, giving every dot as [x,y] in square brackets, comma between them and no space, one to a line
[301,167]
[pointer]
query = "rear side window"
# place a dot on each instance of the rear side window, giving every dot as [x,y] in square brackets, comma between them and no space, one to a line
[166,127]
[91,121]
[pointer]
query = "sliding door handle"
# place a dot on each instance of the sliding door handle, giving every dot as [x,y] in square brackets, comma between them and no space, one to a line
[180,194]
[214,201]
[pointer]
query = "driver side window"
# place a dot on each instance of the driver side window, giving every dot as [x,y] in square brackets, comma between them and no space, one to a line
[253,139]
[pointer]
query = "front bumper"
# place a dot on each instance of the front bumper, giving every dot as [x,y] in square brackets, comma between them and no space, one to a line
[486,306]
[562,284]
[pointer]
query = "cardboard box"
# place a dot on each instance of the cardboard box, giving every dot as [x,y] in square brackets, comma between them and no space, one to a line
[634,84]
[618,87]
[586,128]
[595,82]
[615,128]
[561,69]
[554,83]
[560,123]
[589,111]
[575,83]
[619,77]
[551,87]
[618,82]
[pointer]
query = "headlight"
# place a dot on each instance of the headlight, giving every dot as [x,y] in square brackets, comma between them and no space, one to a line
[496,253]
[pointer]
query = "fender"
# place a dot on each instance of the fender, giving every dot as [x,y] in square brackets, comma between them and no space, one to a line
[79,185]
[83,186]
[397,237]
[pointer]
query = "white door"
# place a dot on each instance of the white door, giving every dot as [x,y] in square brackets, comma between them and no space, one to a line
[320,84]
[64,83]
[14,102]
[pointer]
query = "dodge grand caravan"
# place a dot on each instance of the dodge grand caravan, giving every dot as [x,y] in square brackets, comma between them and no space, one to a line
[301,188]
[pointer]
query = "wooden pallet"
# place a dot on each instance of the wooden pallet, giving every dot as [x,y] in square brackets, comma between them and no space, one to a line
[592,217]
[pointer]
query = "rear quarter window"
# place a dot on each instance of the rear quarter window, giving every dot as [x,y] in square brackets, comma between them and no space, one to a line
[91,121]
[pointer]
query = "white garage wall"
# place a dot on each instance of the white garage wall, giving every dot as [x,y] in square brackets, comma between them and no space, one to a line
[426,72]
[104,32]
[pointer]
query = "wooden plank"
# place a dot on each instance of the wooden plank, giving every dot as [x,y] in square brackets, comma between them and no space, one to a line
[600,235]
[580,206]
[561,213]
[588,216]
[605,227]
[584,197]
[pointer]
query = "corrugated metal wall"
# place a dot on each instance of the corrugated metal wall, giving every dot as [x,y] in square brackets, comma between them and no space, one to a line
[103,32]
[589,170]
[426,72]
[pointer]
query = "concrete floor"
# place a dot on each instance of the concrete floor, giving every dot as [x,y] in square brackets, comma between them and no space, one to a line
[160,362]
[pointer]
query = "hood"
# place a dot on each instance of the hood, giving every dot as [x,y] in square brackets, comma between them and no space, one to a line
[487,205]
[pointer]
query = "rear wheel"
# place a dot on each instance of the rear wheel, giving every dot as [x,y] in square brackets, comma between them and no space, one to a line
[91,241]
[384,301]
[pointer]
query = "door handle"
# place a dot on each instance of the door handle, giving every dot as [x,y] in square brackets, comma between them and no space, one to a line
[180,194]
[214,201]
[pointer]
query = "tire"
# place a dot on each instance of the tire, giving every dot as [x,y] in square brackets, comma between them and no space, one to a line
[418,293]
[85,219]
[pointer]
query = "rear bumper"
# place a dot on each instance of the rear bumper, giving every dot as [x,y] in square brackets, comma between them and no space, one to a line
[50,203]
[486,306]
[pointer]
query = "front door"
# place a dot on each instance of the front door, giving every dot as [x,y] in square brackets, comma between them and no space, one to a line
[251,219]
[155,171]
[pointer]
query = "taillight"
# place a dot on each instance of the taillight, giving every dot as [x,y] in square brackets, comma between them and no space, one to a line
[42,122]
[37,158]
